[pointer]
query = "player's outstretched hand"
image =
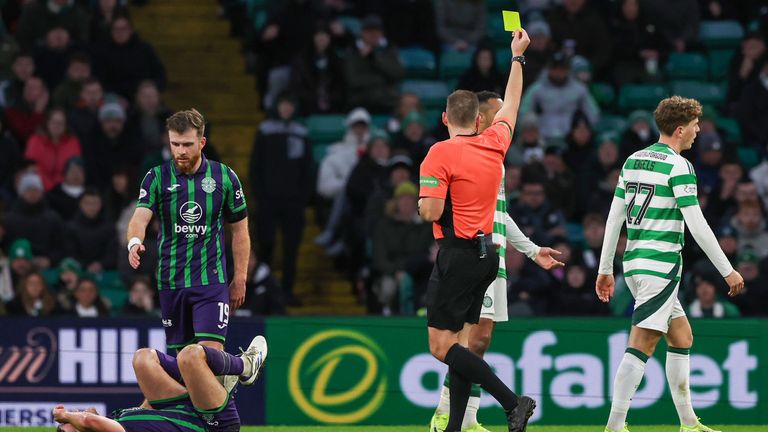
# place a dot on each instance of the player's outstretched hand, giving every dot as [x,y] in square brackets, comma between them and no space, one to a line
[546,260]
[735,283]
[134,257]
[604,287]
[520,41]
[236,294]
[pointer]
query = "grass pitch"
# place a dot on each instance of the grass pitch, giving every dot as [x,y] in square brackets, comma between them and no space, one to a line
[424,428]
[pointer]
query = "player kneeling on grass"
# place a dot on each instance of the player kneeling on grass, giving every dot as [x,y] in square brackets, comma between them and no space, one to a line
[204,405]
[657,195]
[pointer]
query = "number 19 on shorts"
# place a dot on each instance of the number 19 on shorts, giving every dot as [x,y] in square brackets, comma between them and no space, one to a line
[223,314]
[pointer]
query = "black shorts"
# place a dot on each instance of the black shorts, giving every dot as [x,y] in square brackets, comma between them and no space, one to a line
[457,286]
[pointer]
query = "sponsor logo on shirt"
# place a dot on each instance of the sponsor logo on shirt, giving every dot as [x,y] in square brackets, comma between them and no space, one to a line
[430,182]
[190,212]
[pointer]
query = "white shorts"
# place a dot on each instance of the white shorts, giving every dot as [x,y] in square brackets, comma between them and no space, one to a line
[656,302]
[495,301]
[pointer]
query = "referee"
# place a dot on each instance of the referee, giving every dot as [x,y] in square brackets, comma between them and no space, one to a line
[459,182]
[193,197]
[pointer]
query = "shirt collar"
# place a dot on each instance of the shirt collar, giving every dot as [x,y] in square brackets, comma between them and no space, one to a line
[203,167]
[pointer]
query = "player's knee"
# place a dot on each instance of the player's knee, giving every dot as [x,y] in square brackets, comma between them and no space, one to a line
[480,342]
[144,357]
[190,354]
[437,349]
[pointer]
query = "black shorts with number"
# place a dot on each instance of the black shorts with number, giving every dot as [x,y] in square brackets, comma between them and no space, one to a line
[458,283]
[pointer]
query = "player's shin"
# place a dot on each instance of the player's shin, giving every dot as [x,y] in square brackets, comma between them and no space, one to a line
[678,376]
[460,389]
[628,378]
[223,363]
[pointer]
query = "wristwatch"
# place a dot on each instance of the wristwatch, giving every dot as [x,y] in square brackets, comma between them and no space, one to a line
[520,59]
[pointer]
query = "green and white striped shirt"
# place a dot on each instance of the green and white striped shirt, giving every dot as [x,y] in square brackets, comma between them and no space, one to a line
[655,183]
[499,236]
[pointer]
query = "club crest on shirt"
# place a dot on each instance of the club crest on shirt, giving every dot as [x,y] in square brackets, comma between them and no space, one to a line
[208,184]
[487,301]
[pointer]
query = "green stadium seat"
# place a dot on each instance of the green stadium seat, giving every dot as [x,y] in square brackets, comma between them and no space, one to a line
[720,34]
[641,96]
[453,64]
[731,128]
[687,66]
[326,127]
[603,94]
[496,6]
[51,276]
[117,298]
[575,232]
[611,123]
[380,121]
[705,92]
[259,19]
[110,280]
[749,157]
[496,32]
[719,63]
[432,117]
[432,93]
[319,151]
[503,57]
[352,24]
[418,62]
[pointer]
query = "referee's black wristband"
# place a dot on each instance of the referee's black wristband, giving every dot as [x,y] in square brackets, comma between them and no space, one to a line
[520,59]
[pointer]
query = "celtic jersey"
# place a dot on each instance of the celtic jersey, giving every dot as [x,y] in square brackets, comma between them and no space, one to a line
[191,209]
[499,236]
[655,183]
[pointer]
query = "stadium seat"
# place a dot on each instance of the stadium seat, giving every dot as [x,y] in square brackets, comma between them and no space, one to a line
[749,157]
[496,32]
[611,123]
[641,96]
[719,63]
[687,66]
[603,94]
[259,19]
[503,57]
[418,62]
[432,93]
[575,233]
[319,151]
[116,298]
[704,92]
[731,128]
[352,24]
[496,6]
[326,127]
[253,6]
[720,34]
[380,121]
[453,64]
[432,117]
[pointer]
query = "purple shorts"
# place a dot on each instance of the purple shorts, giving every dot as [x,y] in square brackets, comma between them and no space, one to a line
[195,314]
[222,419]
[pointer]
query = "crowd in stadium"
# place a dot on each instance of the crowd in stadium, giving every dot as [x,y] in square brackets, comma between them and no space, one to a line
[83,119]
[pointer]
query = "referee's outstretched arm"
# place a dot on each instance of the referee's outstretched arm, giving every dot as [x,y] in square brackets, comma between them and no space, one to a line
[514,90]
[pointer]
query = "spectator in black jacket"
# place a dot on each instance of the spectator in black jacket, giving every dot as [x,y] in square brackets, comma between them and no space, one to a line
[752,110]
[51,59]
[281,181]
[576,295]
[148,116]
[373,70]
[102,17]
[677,20]
[413,140]
[745,66]
[126,60]
[9,163]
[263,295]
[483,74]
[639,134]
[65,196]
[91,237]
[29,217]
[577,29]
[12,89]
[110,146]
[84,116]
[317,76]
[88,301]
[39,16]
[638,45]
[67,93]
[535,215]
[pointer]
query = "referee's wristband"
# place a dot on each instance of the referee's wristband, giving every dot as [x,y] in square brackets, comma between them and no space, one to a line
[133,242]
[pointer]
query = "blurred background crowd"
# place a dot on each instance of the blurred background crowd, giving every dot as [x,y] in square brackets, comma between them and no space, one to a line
[353,93]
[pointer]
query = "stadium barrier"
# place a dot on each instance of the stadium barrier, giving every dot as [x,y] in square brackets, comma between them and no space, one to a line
[378,370]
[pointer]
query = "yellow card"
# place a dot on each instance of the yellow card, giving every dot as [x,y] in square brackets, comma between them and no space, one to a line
[511,21]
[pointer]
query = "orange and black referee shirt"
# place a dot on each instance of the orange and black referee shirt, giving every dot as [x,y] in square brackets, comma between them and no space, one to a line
[465,171]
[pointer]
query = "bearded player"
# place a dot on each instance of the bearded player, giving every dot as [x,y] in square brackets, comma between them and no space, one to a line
[495,301]
[193,197]
[656,196]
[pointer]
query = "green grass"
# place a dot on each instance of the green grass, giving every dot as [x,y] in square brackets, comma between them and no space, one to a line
[423,428]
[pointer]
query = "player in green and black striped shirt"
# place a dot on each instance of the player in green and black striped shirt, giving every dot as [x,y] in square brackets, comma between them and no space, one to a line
[657,195]
[193,197]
